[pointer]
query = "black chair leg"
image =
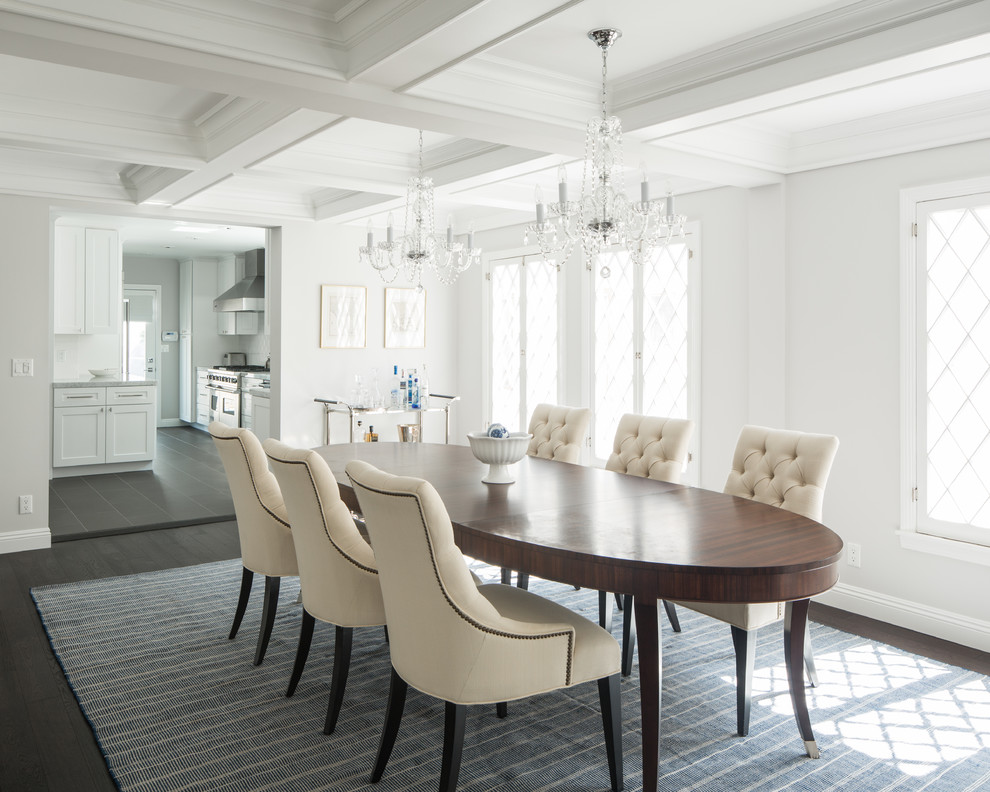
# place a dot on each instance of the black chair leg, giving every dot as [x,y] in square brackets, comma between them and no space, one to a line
[453,742]
[343,640]
[628,635]
[605,611]
[672,615]
[302,652]
[611,703]
[502,709]
[618,601]
[809,656]
[247,578]
[393,716]
[267,616]
[745,645]
[522,580]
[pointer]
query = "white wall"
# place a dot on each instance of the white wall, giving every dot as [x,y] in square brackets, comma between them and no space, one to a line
[25,402]
[843,377]
[313,254]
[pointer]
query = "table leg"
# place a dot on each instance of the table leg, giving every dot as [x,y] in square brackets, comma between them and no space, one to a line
[795,629]
[648,634]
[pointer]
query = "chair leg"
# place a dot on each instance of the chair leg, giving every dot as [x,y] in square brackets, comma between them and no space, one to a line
[745,645]
[393,716]
[605,611]
[618,601]
[628,635]
[809,656]
[302,652]
[247,578]
[506,576]
[267,616]
[502,709]
[453,742]
[611,703]
[343,640]
[522,580]
[672,615]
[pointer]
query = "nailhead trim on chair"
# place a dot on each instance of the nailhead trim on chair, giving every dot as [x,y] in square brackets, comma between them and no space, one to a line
[474,623]
[251,474]
[326,530]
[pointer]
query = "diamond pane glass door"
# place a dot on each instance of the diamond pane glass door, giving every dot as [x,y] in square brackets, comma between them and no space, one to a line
[506,336]
[665,332]
[615,341]
[954,369]
[524,327]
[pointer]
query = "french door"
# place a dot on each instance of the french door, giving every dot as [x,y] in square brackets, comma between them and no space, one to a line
[524,338]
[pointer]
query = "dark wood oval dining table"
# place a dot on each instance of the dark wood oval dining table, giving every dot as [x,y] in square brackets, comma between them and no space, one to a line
[613,532]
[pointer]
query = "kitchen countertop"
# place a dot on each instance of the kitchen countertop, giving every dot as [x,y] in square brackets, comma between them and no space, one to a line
[265,393]
[103,382]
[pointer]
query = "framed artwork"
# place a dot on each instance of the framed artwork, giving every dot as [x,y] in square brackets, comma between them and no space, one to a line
[343,316]
[405,318]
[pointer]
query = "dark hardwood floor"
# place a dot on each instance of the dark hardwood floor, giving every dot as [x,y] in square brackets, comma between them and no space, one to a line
[46,744]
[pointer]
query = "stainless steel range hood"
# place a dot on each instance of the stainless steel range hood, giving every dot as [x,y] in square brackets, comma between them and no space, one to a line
[247,294]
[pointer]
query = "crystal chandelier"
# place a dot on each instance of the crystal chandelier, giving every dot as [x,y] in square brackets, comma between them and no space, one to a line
[604,216]
[418,245]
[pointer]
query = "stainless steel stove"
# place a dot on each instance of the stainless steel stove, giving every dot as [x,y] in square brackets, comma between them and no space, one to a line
[224,386]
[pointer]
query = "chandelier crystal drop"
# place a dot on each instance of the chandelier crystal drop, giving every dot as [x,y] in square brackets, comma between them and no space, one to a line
[603,216]
[419,247]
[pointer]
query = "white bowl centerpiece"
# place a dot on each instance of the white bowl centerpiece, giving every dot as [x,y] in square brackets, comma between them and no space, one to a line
[103,372]
[498,453]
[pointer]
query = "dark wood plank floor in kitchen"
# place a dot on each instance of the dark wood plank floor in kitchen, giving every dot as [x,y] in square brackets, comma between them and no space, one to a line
[46,744]
[186,486]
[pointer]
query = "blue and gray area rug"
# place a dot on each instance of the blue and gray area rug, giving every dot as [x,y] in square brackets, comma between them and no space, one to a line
[176,706]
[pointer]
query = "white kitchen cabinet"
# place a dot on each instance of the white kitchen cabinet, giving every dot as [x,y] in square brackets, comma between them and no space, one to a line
[199,343]
[202,398]
[262,417]
[100,425]
[87,280]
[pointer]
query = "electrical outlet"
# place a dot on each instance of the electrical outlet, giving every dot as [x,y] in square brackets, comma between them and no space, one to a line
[25,504]
[60,355]
[853,554]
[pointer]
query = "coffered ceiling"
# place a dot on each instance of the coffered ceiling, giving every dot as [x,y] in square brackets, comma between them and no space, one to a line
[308,109]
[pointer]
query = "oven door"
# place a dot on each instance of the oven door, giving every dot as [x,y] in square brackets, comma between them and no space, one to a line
[225,406]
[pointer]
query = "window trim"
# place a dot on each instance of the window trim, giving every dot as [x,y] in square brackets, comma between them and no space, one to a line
[910,537]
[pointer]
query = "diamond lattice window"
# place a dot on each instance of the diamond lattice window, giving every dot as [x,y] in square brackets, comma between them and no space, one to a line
[524,339]
[954,366]
[641,340]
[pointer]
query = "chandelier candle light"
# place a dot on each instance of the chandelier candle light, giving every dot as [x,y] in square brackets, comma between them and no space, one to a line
[418,245]
[603,217]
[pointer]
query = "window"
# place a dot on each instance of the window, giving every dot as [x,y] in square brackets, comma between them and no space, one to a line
[642,348]
[524,333]
[948,363]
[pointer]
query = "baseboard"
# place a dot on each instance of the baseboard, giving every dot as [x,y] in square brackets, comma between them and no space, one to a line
[912,615]
[168,423]
[28,539]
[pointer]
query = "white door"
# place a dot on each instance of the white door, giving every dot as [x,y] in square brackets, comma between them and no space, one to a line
[141,334]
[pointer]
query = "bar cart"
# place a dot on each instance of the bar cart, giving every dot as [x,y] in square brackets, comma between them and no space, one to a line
[441,405]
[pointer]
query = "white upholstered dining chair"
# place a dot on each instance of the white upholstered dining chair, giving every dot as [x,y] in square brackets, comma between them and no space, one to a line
[262,524]
[463,643]
[789,470]
[651,447]
[337,571]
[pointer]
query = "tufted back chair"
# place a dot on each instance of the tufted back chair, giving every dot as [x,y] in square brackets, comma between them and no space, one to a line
[558,432]
[650,447]
[337,571]
[262,520]
[782,468]
[461,642]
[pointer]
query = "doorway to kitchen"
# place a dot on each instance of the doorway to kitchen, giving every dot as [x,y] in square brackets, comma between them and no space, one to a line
[140,334]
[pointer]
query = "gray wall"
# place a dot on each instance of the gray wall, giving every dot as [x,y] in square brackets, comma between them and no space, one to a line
[164,272]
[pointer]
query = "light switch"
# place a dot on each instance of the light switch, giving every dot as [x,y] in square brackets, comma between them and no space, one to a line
[22,367]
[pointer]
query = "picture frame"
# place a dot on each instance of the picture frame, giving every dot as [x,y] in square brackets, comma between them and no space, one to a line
[405,318]
[343,317]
